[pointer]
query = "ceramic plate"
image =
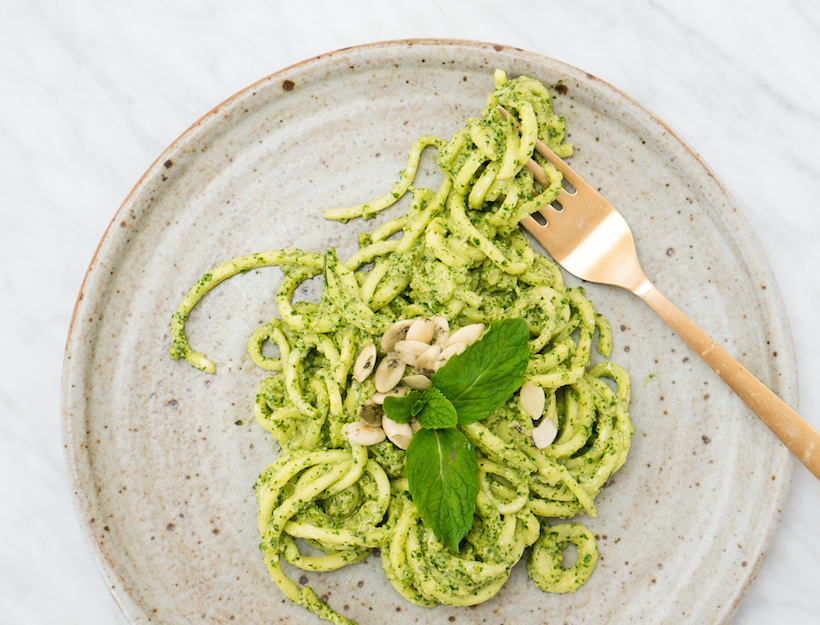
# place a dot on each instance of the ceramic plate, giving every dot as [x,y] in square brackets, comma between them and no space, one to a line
[163,457]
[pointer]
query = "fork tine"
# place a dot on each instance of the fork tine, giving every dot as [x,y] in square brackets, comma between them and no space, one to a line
[529,222]
[535,169]
[564,197]
[574,179]
[537,172]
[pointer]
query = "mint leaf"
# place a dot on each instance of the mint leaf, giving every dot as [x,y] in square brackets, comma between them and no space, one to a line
[437,411]
[417,407]
[402,409]
[483,377]
[442,474]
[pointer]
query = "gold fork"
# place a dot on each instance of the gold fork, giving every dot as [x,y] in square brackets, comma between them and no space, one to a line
[591,240]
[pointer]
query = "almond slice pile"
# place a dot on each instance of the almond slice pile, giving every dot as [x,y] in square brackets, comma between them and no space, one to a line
[414,350]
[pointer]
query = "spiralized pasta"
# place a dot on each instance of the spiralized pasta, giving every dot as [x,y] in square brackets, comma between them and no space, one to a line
[457,252]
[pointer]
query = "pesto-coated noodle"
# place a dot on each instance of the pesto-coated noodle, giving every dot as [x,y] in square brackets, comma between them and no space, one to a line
[456,253]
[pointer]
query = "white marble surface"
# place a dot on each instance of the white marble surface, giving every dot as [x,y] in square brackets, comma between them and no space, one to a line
[92,91]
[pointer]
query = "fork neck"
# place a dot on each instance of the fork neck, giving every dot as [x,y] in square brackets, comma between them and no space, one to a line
[629,275]
[641,286]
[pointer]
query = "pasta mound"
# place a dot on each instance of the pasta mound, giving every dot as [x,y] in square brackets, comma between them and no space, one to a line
[457,252]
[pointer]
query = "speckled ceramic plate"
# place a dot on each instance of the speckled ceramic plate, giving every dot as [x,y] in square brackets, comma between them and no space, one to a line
[163,457]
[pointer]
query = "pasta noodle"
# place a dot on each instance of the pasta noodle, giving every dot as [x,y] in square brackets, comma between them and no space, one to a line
[457,253]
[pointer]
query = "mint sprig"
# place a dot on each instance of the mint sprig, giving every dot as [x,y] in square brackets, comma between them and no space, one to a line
[442,468]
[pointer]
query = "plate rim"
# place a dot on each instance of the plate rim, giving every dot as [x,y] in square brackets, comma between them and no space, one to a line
[75,460]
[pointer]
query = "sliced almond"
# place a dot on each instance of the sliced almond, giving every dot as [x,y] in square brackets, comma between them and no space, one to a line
[532,399]
[468,334]
[359,433]
[426,364]
[365,363]
[418,382]
[544,434]
[371,414]
[389,372]
[415,424]
[409,351]
[395,333]
[378,398]
[449,352]
[397,433]
[421,330]
[442,331]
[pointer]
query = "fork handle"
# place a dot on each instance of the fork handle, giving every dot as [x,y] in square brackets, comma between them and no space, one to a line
[788,426]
